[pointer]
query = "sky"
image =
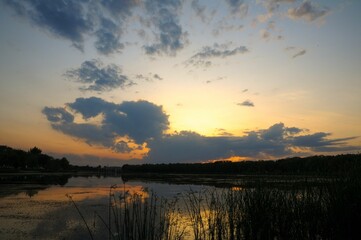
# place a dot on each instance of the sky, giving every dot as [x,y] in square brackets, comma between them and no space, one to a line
[113,82]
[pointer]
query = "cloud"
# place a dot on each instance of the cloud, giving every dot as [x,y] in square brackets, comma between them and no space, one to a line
[219,51]
[274,142]
[65,19]
[122,147]
[295,52]
[76,20]
[137,121]
[164,16]
[225,26]
[215,79]
[119,8]
[238,7]
[108,38]
[192,147]
[308,12]
[91,107]
[202,57]
[273,5]
[319,142]
[223,132]
[149,78]
[199,9]
[97,77]
[265,34]
[128,127]
[58,115]
[300,53]
[246,103]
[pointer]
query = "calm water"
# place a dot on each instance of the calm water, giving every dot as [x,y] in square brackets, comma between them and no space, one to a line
[33,210]
[37,207]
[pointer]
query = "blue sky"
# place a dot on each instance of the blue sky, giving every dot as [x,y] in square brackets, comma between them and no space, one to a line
[111,82]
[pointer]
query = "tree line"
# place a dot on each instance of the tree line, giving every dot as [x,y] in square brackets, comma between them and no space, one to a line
[320,165]
[33,159]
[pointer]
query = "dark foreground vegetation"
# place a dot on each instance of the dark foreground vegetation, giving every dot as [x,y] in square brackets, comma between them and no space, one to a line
[326,211]
[315,165]
[328,208]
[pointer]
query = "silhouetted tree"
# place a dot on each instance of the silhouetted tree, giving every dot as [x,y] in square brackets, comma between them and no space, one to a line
[35,151]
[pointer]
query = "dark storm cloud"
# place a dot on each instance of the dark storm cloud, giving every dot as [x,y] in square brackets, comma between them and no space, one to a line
[164,16]
[139,121]
[97,77]
[307,11]
[75,20]
[246,103]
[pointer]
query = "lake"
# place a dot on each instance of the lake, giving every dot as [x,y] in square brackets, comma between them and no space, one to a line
[59,206]
[32,209]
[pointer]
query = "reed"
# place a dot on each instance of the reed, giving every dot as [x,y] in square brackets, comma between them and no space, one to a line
[325,211]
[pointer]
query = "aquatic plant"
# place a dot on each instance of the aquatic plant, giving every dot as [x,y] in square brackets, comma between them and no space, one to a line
[331,210]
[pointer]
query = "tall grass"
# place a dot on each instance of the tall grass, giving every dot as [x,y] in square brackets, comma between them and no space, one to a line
[327,211]
[138,217]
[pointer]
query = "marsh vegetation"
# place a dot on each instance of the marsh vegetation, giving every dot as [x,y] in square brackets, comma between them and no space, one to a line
[325,211]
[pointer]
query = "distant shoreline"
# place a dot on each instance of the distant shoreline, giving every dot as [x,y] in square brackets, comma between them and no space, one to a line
[20,173]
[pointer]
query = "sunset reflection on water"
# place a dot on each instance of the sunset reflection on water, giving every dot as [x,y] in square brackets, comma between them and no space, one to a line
[33,211]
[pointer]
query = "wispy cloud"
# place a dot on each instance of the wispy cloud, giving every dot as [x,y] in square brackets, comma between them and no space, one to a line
[150,77]
[295,51]
[203,57]
[300,53]
[219,51]
[246,103]
[96,77]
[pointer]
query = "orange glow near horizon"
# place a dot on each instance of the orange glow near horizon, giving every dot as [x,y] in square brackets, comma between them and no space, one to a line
[77,194]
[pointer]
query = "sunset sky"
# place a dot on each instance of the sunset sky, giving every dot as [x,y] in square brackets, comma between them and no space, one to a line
[147,81]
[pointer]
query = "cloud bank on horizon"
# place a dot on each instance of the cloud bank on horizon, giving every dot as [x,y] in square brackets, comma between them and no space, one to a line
[142,125]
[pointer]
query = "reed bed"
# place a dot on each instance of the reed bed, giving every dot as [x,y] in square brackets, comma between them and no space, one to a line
[325,211]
